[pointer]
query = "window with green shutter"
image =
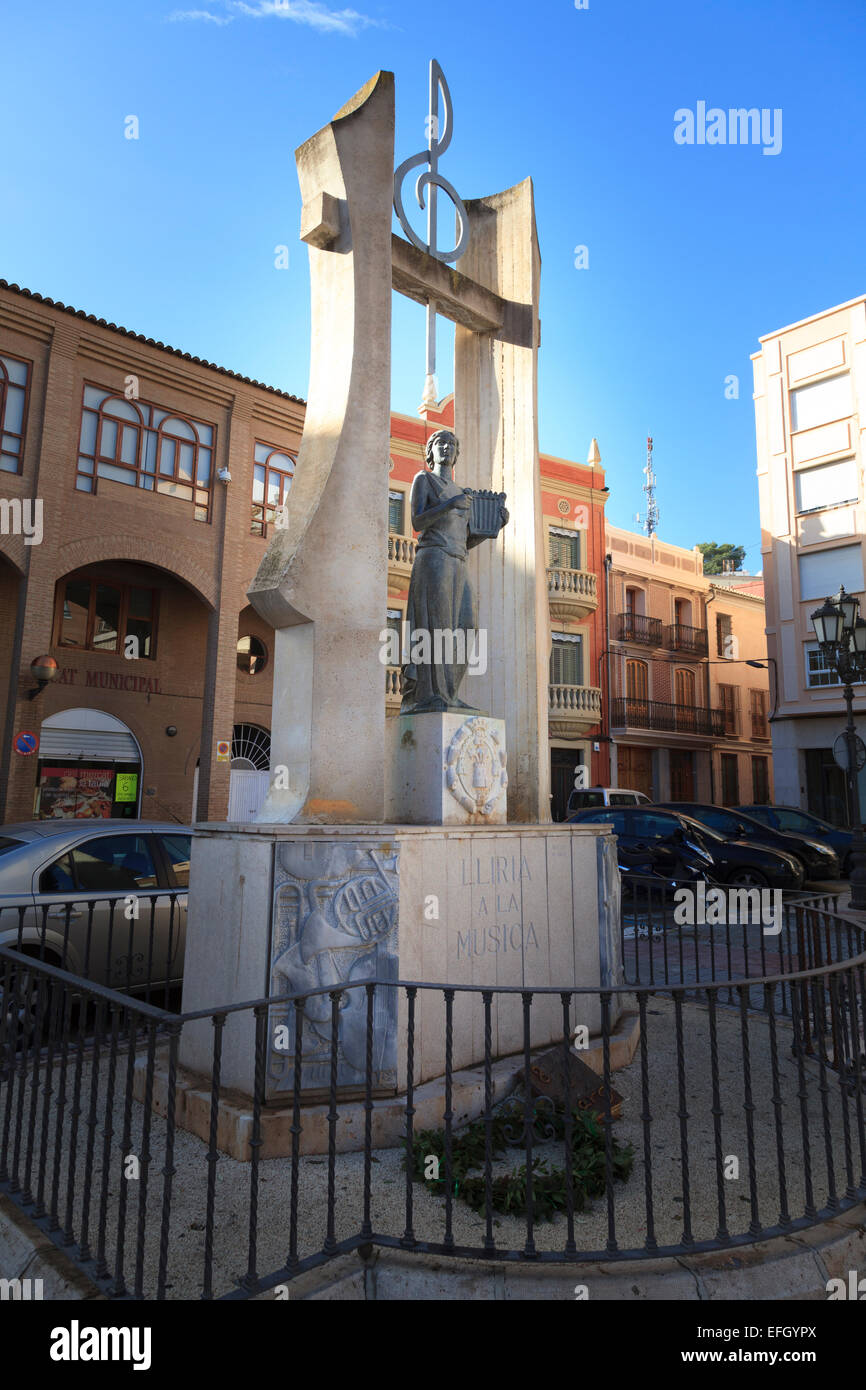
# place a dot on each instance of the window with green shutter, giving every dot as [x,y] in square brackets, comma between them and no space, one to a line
[564,550]
[395,513]
[566,660]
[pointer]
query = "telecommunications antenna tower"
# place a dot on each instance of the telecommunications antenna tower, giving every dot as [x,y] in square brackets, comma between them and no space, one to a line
[651,522]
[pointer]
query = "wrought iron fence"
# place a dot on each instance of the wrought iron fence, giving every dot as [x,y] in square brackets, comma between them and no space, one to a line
[134,943]
[748,1055]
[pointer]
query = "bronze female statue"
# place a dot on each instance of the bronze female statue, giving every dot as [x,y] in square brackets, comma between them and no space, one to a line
[441,611]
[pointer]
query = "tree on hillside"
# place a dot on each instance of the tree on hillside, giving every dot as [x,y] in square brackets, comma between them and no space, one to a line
[722,559]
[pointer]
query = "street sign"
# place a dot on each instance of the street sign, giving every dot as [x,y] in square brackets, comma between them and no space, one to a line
[223,751]
[840,752]
[26,742]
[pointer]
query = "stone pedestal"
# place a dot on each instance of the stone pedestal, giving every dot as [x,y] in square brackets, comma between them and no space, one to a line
[279,910]
[447,769]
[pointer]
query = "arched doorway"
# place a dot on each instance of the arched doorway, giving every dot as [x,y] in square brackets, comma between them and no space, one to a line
[250,771]
[89,767]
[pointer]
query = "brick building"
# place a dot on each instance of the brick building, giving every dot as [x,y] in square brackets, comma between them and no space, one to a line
[155,477]
[689,710]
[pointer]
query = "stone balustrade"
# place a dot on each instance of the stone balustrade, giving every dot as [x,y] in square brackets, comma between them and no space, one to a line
[571,593]
[401,550]
[573,709]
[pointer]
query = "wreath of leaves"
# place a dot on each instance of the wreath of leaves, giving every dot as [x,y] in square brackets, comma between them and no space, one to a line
[508,1190]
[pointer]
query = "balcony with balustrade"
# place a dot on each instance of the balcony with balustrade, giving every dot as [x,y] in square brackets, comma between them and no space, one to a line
[572,594]
[401,553]
[572,710]
[393,688]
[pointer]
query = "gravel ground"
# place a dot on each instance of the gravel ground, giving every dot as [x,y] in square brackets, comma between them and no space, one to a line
[761,1158]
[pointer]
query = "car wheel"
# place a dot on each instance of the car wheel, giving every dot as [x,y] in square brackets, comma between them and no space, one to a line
[20,1009]
[749,878]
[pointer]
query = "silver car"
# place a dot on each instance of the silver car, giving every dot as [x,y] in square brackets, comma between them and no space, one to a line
[105,899]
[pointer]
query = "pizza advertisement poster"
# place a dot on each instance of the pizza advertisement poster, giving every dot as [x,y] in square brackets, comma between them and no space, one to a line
[76,793]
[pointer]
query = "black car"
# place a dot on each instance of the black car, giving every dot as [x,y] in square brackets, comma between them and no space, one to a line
[792,819]
[650,836]
[819,861]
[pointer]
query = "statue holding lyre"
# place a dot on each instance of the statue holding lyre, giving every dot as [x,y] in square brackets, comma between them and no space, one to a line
[441,611]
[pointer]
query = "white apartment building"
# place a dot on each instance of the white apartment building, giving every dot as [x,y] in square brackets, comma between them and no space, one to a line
[810,417]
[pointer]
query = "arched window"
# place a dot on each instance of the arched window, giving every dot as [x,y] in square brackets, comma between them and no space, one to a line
[636,680]
[142,445]
[13,409]
[251,748]
[273,471]
[684,688]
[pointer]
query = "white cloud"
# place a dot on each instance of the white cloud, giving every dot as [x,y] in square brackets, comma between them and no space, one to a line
[200,14]
[309,12]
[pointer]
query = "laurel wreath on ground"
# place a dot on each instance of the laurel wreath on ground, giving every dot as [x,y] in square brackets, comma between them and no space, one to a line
[508,1191]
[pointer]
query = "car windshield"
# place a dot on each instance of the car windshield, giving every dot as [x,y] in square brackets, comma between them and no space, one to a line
[701,831]
[578,800]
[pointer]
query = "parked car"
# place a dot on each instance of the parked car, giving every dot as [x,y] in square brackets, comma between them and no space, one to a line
[649,836]
[106,901]
[794,821]
[819,861]
[587,797]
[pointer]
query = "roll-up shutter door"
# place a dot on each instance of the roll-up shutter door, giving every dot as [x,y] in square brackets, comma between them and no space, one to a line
[94,745]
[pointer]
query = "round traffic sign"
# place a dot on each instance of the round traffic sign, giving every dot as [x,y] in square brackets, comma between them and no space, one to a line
[26,742]
[840,752]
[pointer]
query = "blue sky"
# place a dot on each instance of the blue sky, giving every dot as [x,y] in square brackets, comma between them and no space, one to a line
[694,250]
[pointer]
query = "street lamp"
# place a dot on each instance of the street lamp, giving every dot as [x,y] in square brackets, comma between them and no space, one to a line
[841,634]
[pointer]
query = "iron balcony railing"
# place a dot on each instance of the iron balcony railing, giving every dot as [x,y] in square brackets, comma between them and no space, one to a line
[682,638]
[760,727]
[751,1042]
[666,718]
[636,627]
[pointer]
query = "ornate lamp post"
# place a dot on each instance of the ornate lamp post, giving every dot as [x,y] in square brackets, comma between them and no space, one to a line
[841,634]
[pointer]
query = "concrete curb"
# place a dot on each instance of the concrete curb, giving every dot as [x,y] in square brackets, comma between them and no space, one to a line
[786,1268]
[27,1253]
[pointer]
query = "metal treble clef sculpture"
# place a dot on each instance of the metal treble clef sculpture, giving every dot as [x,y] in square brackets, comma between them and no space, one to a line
[438,140]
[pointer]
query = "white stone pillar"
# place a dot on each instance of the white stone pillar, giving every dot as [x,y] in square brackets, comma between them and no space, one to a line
[496,418]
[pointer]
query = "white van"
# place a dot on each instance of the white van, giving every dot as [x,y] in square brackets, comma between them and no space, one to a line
[604,796]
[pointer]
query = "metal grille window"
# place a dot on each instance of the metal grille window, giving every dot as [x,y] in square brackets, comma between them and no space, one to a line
[106,617]
[251,747]
[564,549]
[730,780]
[728,695]
[14,380]
[566,659]
[145,446]
[273,471]
[760,782]
[396,512]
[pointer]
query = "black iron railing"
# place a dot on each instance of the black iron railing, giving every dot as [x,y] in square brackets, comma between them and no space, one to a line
[748,1042]
[683,638]
[655,714]
[133,943]
[637,627]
